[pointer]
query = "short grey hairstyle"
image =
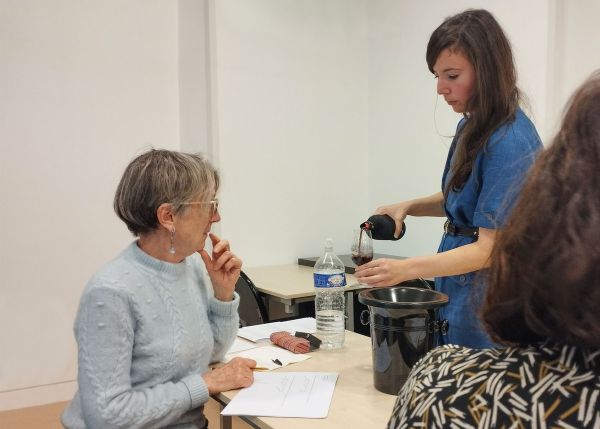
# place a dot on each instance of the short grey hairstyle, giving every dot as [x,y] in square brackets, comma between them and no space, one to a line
[162,176]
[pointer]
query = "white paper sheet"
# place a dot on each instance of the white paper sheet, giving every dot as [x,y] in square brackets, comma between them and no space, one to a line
[239,344]
[265,356]
[285,394]
[264,331]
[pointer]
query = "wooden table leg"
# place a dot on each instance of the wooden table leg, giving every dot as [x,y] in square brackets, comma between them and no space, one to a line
[225,422]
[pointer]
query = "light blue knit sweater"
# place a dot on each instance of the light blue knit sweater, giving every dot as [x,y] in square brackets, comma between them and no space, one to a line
[146,331]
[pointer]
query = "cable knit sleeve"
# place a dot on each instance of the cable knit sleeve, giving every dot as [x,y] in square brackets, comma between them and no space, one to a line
[224,323]
[104,330]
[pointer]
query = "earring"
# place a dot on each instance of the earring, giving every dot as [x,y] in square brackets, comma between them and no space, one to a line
[172,248]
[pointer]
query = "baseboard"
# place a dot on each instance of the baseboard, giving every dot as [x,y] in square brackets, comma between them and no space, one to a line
[37,395]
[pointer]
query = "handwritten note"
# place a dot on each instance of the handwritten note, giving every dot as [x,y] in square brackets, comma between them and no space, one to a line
[285,394]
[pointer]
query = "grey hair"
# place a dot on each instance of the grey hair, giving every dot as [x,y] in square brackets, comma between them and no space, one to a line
[162,176]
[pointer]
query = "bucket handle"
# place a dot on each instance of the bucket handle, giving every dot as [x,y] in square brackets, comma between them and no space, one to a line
[440,326]
[424,283]
[364,314]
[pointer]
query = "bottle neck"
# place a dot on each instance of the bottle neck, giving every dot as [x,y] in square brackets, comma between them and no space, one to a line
[367,226]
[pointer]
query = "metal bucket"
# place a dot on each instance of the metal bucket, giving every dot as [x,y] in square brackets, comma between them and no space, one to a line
[404,324]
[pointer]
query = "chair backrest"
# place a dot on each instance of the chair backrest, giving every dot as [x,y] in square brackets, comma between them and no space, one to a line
[252,309]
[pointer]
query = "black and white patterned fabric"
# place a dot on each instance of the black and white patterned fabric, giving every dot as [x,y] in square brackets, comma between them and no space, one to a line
[542,386]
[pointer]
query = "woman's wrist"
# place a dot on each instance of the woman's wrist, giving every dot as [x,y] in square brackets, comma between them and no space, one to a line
[224,296]
[410,267]
[206,377]
[408,207]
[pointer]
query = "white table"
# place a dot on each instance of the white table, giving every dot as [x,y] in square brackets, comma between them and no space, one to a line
[293,284]
[355,404]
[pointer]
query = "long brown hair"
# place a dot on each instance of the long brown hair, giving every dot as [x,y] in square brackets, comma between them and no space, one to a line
[476,34]
[545,267]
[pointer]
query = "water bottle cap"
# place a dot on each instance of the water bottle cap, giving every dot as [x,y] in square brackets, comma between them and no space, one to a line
[329,243]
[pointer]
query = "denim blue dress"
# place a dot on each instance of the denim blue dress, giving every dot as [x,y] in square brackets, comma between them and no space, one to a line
[485,200]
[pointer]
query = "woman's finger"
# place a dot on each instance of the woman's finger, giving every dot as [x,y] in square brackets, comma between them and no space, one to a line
[221,246]
[232,264]
[367,266]
[214,238]
[222,260]
[249,362]
[206,258]
[398,227]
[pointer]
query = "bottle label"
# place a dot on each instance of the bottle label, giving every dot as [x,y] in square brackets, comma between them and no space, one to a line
[329,280]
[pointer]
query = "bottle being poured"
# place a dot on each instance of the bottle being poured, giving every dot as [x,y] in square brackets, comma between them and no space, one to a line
[382,227]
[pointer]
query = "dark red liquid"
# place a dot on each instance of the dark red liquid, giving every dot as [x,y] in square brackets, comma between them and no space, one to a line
[360,259]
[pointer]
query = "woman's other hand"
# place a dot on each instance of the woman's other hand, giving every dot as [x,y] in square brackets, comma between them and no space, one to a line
[223,268]
[382,272]
[234,374]
[464,259]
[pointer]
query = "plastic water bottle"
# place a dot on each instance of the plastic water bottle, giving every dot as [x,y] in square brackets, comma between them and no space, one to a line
[382,227]
[330,279]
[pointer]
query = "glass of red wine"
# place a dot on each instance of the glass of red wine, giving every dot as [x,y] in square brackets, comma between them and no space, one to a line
[361,250]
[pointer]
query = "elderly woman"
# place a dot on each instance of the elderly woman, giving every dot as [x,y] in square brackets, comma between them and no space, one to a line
[150,322]
[542,303]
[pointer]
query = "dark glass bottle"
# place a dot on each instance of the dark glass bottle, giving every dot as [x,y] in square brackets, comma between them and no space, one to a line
[382,227]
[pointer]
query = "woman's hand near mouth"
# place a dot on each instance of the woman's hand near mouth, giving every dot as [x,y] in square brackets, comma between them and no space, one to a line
[223,268]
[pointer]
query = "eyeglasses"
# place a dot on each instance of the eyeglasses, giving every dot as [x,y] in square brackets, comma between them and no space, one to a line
[214,203]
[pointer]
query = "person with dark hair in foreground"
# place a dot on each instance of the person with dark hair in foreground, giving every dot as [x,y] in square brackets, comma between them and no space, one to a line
[542,302]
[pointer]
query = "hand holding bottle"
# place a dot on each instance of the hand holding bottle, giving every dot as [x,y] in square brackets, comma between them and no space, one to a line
[398,213]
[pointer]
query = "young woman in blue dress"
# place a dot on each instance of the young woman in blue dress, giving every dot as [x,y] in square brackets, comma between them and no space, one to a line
[494,146]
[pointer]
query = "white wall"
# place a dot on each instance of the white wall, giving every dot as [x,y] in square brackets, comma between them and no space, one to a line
[291,113]
[84,87]
[576,52]
[194,84]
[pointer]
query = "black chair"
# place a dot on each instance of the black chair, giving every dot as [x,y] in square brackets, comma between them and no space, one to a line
[252,309]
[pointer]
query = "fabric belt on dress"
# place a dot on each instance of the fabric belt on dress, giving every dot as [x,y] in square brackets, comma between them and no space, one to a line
[451,229]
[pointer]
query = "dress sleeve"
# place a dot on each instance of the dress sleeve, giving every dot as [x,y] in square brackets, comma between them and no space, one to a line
[104,331]
[501,171]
